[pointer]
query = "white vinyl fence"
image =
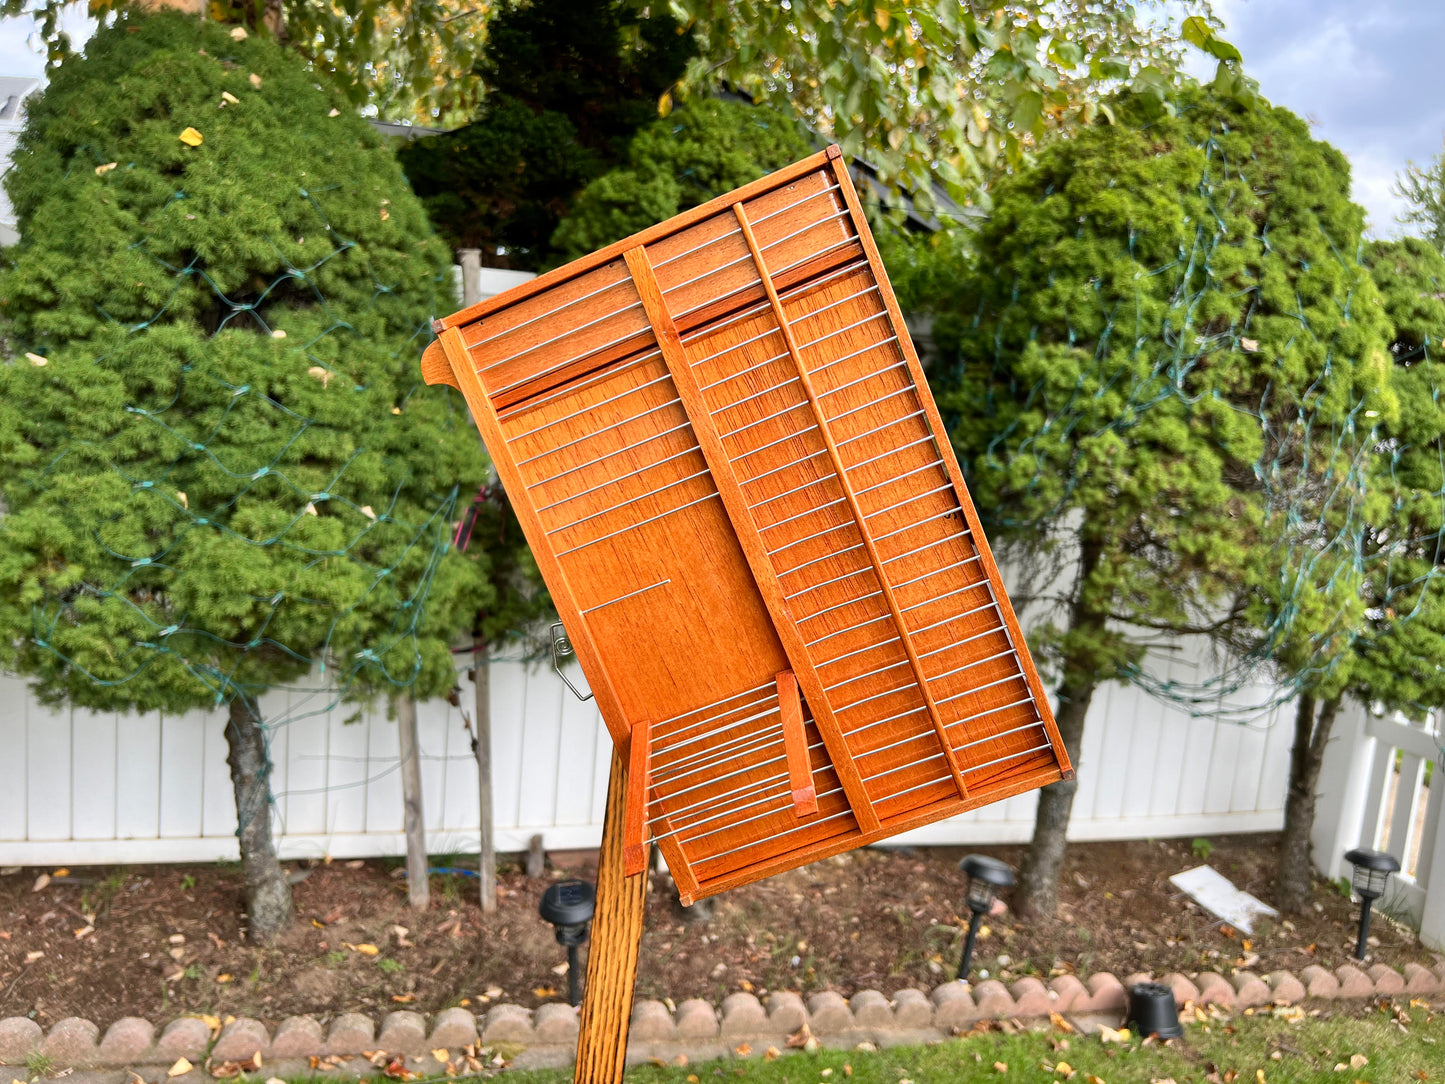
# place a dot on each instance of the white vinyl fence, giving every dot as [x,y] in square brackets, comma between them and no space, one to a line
[85,787]
[1374,792]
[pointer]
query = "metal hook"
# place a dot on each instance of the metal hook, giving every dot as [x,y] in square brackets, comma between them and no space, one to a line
[561,650]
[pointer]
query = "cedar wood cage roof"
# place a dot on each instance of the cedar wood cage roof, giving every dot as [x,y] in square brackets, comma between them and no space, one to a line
[721,446]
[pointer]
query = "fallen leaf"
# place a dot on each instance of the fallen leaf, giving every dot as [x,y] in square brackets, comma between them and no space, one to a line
[191,138]
[1092,1079]
[1000,1067]
[746,985]
[31,957]
[1109,1035]
[278,334]
[311,511]
[181,1066]
[1420,1074]
[255,80]
[771,1053]
[544,991]
[464,1002]
[1059,1022]
[238,33]
[101,171]
[799,1039]
[84,931]
[334,113]
[321,374]
[366,949]
[63,871]
[397,1070]
[367,512]
[39,361]
[560,969]
[403,999]
[742,1050]
[1358,1061]
[1259,1076]
[400,933]
[441,1055]
[1249,344]
[44,878]
[396,410]
[385,214]
[493,991]
[181,496]
[1064,1069]
[223,978]
[229,99]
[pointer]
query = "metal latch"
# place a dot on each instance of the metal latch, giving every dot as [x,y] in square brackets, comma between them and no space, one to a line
[562,653]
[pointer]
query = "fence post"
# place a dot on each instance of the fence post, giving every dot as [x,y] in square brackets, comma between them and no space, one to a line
[1341,796]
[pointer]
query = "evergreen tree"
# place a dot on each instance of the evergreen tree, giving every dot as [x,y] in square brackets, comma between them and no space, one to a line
[704,149]
[221,466]
[1156,351]
[569,82]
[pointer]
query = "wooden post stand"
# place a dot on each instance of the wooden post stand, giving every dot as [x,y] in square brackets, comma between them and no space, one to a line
[612,956]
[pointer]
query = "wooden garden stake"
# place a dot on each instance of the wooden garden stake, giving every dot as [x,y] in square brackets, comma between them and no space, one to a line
[418,884]
[612,953]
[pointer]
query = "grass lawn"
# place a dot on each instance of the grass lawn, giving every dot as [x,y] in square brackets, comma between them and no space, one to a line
[1391,1043]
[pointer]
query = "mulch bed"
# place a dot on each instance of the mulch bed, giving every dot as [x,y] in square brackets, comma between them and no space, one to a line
[159,941]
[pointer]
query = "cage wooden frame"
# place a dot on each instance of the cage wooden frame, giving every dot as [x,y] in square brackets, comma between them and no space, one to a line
[721,446]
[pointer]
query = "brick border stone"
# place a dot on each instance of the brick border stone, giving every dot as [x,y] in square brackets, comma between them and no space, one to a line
[695,1029]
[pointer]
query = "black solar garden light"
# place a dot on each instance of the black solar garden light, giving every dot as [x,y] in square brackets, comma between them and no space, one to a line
[985,877]
[1372,870]
[568,905]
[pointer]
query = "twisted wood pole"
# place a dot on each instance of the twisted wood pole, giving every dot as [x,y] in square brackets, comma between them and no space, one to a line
[612,956]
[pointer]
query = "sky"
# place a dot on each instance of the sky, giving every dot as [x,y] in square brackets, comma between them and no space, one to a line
[1369,76]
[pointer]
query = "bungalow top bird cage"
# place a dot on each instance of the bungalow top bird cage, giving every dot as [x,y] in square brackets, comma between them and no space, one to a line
[719,441]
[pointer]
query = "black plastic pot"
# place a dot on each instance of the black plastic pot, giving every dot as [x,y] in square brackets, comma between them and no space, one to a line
[1152,1010]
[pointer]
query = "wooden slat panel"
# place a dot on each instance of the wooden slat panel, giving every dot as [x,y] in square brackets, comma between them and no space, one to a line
[721,448]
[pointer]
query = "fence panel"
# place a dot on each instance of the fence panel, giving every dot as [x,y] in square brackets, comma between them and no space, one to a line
[93,787]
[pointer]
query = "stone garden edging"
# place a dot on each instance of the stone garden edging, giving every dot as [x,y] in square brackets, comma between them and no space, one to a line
[740,1025]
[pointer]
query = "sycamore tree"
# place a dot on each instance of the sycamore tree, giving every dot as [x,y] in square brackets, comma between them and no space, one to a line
[1153,352]
[221,467]
[950,92]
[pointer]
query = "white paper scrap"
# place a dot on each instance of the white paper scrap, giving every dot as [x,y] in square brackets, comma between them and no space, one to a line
[1216,894]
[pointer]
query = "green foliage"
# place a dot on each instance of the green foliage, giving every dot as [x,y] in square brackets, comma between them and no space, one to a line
[1202,849]
[1160,356]
[221,464]
[569,82]
[951,92]
[1400,653]
[1424,188]
[400,56]
[700,151]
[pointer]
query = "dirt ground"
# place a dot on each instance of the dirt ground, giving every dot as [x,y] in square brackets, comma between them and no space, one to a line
[162,940]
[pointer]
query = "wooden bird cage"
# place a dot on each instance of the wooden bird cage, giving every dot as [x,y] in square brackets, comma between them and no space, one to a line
[719,441]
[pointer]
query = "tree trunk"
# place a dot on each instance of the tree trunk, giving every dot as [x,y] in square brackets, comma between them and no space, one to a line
[482,749]
[1038,890]
[268,895]
[1294,886]
[418,884]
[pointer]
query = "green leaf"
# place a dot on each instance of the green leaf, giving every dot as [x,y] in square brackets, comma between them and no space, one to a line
[1028,108]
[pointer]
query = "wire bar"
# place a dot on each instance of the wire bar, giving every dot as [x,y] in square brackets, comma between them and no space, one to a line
[635,526]
[630,594]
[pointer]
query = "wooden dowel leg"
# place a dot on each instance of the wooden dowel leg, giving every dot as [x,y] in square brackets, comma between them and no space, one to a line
[612,955]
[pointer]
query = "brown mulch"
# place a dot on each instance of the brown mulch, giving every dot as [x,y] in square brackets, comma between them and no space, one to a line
[158,941]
